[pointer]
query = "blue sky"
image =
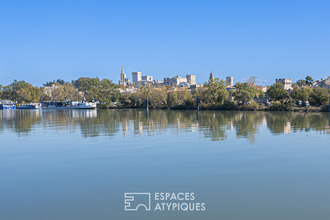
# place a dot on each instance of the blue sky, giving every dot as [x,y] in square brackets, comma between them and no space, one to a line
[45,40]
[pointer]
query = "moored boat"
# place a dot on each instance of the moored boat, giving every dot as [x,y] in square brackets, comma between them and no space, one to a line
[7,104]
[69,105]
[30,106]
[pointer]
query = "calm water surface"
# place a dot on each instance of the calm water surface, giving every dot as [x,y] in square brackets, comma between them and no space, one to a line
[77,164]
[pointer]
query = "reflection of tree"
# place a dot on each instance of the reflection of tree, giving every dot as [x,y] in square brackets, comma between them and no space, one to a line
[277,122]
[59,119]
[247,124]
[300,122]
[6,119]
[106,123]
[306,122]
[212,125]
[25,120]
[21,121]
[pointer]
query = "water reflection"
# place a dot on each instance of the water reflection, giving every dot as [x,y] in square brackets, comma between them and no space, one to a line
[213,125]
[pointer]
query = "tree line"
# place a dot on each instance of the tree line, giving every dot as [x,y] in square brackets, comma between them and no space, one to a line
[284,100]
[84,88]
[212,95]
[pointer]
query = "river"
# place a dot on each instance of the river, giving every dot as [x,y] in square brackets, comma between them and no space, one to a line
[78,164]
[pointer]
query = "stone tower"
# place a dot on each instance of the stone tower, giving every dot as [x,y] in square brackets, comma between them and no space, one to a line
[191,79]
[122,75]
[211,78]
[230,80]
[136,78]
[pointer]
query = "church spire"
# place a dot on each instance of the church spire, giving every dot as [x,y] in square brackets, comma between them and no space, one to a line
[122,69]
[211,78]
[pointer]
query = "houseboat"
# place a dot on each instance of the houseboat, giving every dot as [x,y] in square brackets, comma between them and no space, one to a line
[69,105]
[7,104]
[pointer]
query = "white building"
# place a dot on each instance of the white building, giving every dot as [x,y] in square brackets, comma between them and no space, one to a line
[230,81]
[147,78]
[184,84]
[286,82]
[136,76]
[323,83]
[190,80]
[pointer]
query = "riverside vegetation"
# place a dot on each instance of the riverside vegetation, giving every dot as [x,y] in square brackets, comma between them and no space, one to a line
[212,95]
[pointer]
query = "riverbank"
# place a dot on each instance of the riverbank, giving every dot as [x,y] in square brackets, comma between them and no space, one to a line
[231,108]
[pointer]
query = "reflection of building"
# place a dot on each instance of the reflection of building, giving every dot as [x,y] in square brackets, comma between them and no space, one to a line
[7,114]
[194,127]
[230,126]
[286,82]
[124,125]
[287,128]
[327,129]
[138,127]
[88,113]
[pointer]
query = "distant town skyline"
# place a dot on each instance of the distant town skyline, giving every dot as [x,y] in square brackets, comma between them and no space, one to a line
[43,40]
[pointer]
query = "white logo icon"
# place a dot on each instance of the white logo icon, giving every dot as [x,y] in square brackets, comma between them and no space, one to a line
[135,200]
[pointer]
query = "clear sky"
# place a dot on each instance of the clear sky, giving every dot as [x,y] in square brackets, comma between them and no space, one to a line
[45,40]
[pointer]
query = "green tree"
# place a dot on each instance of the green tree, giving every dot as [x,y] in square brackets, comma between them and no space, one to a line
[277,92]
[1,91]
[301,93]
[301,82]
[245,92]
[213,92]
[61,93]
[50,83]
[86,83]
[105,92]
[21,92]
[320,96]
[309,80]
[58,81]
[180,98]
[157,97]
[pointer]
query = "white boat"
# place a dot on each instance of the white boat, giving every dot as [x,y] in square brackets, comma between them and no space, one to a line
[30,106]
[69,105]
[7,104]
